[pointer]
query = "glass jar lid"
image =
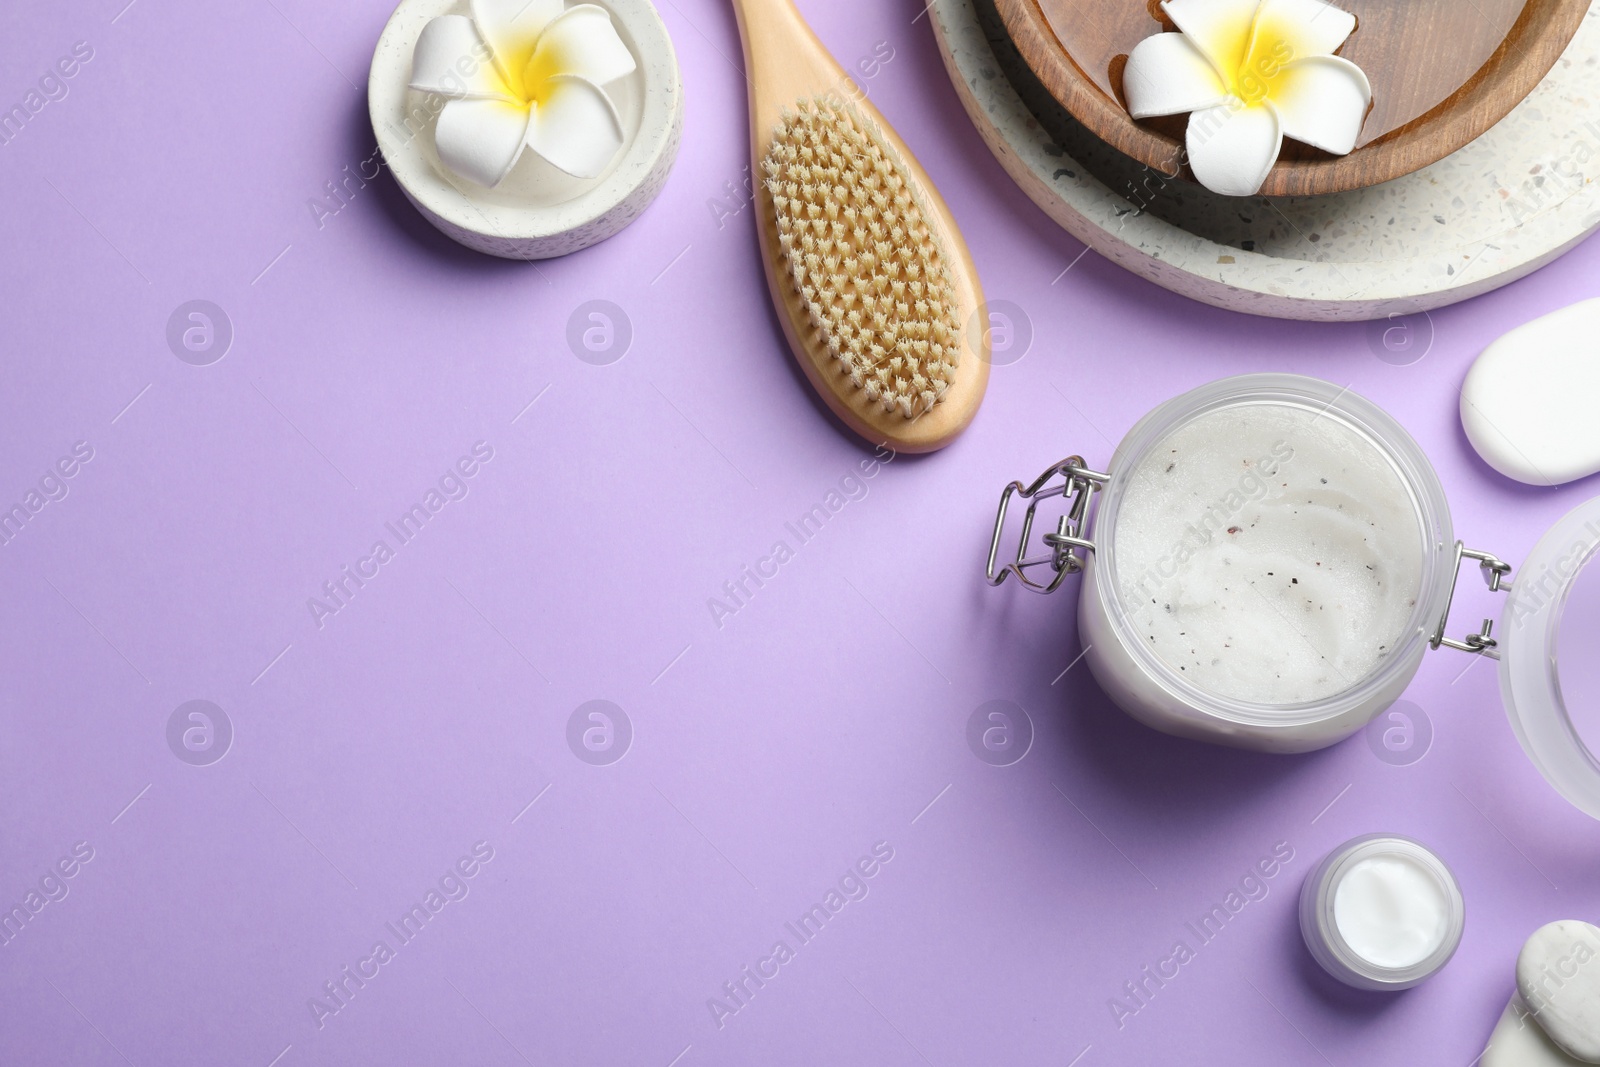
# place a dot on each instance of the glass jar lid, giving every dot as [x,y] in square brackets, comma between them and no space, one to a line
[1549,659]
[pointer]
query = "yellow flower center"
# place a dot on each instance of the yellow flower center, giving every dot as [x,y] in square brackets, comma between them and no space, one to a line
[1268,52]
[513,60]
[543,64]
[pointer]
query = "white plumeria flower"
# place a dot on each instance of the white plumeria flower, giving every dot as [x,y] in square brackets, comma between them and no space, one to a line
[523,73]
[1251,72]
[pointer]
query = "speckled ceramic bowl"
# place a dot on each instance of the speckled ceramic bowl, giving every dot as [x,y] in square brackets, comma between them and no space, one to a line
[538,212]
[1509,202]
[1441,72]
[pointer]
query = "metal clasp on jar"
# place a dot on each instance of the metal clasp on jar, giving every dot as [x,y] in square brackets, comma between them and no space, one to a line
[1062,558]
[1494,572]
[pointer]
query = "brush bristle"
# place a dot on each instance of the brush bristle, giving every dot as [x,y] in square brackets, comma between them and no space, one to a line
[854,237]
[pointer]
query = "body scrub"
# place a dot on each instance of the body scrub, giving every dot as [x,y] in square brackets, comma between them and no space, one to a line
[1382,912]
[1268,553]
[1265,562]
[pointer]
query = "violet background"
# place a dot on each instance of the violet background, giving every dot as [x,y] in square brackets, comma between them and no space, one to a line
[767,755]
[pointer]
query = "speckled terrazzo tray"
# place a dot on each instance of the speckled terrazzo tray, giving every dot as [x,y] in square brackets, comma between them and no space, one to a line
[1503,206]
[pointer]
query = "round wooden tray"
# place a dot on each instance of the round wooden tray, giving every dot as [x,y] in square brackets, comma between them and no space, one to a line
[1506,204]
[1442,72]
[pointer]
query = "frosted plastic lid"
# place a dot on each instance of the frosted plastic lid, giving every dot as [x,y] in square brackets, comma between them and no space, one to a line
[1550,656]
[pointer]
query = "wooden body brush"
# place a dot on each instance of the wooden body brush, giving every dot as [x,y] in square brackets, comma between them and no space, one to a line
[875,288]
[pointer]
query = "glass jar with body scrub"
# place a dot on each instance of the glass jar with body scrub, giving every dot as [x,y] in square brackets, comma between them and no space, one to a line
[1382,912]
[1270,557]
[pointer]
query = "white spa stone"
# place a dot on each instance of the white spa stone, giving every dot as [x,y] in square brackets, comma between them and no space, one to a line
[537,211]
[1499,208]
[1268,553]
[1519,1041]
[1529,403]
[1558,976]
[1391,911]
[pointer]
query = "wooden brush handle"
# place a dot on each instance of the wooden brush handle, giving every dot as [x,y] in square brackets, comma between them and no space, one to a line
[784,63]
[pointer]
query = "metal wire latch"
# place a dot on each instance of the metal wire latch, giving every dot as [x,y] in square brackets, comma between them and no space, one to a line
[1062,559]
[1494,571]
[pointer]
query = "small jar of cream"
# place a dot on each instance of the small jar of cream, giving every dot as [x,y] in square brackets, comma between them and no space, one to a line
[1381,912]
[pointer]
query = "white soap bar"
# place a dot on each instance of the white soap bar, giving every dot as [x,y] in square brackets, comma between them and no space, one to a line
[1518,1041]
[1529,403]
[1558,975]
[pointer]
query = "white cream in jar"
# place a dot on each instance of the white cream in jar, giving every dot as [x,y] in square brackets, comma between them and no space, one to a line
[1382,912]
[1268,553]
[1391,910]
